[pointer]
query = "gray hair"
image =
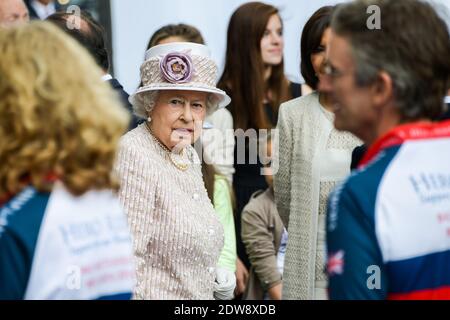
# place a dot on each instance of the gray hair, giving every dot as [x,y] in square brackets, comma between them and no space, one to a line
[148,101]
[412,46]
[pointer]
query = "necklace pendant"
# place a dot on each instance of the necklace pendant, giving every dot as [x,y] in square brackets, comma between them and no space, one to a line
[180,166]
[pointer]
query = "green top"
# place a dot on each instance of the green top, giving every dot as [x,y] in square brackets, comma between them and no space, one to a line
[224,208]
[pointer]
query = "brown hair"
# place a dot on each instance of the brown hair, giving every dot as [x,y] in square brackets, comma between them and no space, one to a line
[310,42]
[185,31]
[56,115]
[90,35]
[412,46]
[243,75]
[209,174]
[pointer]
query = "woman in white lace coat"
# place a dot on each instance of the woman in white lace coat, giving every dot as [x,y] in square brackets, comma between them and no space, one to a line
[313,158]
[177,236]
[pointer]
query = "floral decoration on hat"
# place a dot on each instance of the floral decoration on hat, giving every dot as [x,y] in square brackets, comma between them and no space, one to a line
[177,67]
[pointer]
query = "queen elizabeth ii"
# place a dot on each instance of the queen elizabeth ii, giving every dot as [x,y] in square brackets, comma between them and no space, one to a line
[176,234]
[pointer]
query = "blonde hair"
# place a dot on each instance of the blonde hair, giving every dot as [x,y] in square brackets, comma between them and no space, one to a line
[56,114]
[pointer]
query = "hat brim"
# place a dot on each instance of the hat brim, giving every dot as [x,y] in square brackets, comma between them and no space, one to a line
[223,98]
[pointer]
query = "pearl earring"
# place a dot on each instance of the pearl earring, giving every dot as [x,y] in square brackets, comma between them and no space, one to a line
[149,119]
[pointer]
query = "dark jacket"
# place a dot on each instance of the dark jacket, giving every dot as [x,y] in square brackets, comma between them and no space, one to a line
[135,121]
[357,155]
[247,178]
[32,13]
[446,114]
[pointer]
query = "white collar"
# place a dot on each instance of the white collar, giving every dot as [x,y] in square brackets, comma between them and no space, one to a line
[447,99]
[107,77]
[207,125]
[42,10]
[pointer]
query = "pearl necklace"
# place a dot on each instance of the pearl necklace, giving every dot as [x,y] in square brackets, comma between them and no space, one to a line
[170,154]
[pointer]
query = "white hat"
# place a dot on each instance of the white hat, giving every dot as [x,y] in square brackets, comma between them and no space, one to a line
[179,66]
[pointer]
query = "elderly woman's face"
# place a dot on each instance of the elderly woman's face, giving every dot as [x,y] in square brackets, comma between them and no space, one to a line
[177,117]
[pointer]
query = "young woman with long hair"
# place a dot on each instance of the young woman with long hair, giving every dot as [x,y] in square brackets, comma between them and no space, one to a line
[254,78]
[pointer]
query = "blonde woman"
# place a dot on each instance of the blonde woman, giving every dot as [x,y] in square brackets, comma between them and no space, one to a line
[62,229]
[177,235]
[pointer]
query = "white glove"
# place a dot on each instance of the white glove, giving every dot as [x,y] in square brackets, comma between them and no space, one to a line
[224,284]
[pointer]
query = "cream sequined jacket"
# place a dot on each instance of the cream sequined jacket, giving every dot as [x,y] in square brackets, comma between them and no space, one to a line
[177,235]
[313,158]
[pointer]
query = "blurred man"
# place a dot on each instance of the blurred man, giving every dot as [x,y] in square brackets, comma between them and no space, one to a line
[12,12]
[388,225]
[90,35]
[41,9]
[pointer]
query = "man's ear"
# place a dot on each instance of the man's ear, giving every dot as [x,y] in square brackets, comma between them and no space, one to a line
[382,89]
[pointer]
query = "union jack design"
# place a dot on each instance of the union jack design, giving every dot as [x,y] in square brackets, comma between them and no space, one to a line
[335,263]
